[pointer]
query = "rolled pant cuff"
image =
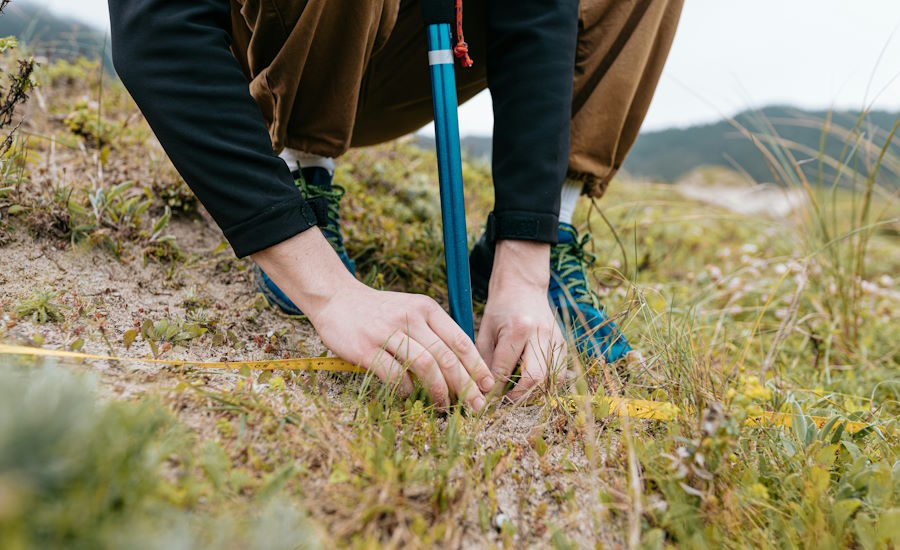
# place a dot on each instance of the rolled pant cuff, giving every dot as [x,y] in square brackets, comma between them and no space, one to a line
[594,186]
[274,225]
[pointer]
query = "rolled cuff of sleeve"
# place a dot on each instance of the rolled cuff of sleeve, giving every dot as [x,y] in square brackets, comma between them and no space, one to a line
[523,226]
[270,227]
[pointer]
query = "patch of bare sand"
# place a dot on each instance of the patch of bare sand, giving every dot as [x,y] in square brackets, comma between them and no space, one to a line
[528,486]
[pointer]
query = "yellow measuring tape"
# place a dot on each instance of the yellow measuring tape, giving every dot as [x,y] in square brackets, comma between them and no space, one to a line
[306,363]
[601,405]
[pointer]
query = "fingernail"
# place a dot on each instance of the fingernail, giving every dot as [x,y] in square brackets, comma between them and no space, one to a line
[487,383]
[478,403]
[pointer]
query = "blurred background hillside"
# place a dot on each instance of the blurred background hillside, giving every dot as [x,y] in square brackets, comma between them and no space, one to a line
[53,34]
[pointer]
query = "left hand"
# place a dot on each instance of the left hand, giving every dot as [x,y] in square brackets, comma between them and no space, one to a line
[518,323]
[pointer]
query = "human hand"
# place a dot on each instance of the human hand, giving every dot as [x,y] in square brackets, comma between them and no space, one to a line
[518,323]
[381,331]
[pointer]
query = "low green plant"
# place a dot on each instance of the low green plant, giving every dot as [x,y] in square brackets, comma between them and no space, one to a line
[161,335]
[40,308]
[86,121]
[174,193]
[172,332]
[194,299]
[110,215]
[159,245]
[76,472]
[66,74]
[114,217]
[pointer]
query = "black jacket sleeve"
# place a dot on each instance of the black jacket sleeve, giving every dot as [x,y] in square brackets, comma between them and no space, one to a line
[530,69]
[173,57]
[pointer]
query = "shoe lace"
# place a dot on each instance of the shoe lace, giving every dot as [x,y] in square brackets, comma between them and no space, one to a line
[331,229]
[570,261]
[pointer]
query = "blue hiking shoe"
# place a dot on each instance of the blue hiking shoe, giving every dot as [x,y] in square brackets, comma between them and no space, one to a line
[579,312]
[325,199]
[594,333]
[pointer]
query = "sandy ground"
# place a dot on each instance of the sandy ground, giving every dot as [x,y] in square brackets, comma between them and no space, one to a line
[113,297]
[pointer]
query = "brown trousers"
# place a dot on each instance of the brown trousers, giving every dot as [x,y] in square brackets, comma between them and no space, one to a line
[334,74]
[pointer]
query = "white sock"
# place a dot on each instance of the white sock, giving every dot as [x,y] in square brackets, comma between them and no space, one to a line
[293,157]
[569,199]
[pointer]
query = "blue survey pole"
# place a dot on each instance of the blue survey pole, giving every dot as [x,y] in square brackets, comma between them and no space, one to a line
[453,210]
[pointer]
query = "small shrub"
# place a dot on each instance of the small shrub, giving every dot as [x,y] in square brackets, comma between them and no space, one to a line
[86,121]
[175,194]
[69,74]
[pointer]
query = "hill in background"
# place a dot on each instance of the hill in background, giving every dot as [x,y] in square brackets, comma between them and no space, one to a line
[668,155]
[51,36]
[474,148]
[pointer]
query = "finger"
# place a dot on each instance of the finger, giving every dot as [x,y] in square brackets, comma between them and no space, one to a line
[458,379]
[460,347]
[510,345]
[424,366]
[534,371]
[391,372]
[484,343]
[540,361]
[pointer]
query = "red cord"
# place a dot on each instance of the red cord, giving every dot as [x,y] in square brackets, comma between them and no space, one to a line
[462,49]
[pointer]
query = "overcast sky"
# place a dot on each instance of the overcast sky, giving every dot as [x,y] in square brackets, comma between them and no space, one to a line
[732,55]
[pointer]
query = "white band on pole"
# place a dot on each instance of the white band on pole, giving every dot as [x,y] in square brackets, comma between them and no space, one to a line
[440,57]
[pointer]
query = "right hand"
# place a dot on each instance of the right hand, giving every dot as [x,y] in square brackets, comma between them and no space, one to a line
[392,329]
[381,331]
